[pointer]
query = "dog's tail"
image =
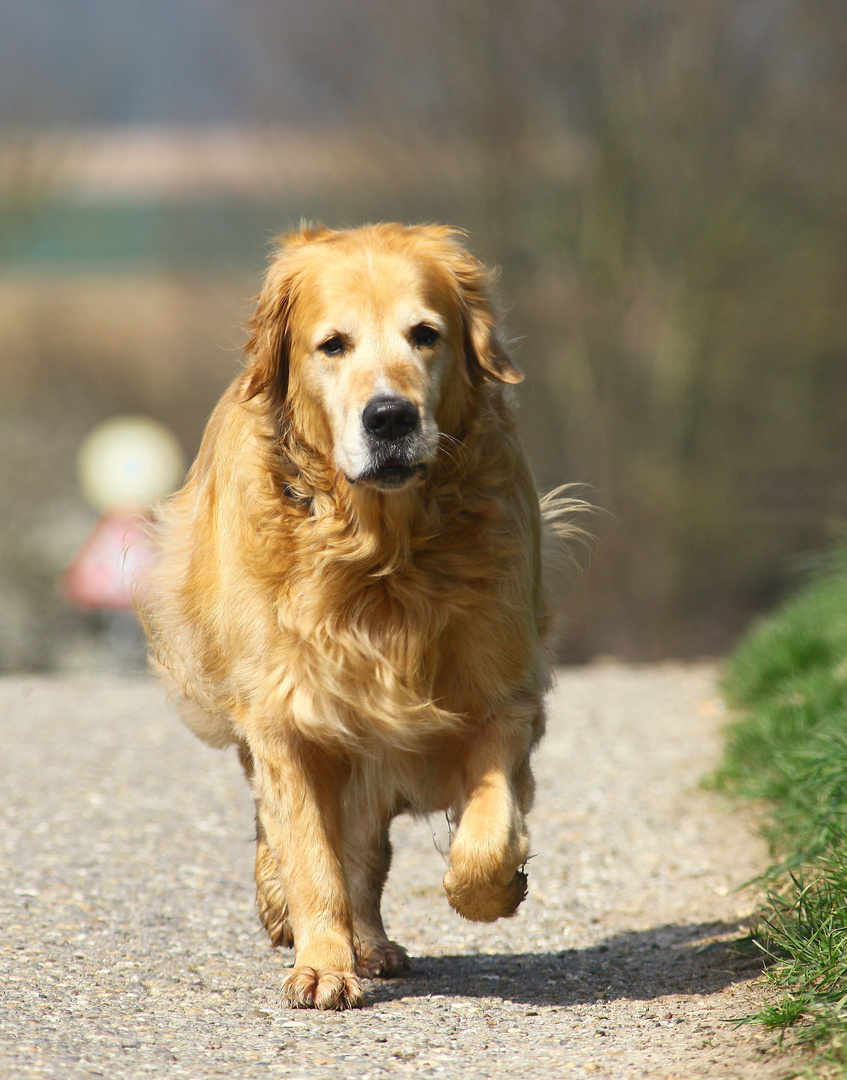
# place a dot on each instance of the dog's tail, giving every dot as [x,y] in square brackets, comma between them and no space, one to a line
[564,541]
[562,534]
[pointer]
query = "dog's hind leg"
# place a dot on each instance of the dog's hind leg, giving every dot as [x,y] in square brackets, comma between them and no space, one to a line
[367,858]
[270,895]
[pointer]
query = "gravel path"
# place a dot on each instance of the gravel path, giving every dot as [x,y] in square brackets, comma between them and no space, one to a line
[130,947]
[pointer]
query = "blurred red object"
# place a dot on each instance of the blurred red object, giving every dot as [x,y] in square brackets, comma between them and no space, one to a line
[111,565]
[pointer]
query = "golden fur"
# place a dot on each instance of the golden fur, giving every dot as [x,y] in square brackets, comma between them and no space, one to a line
[362,614]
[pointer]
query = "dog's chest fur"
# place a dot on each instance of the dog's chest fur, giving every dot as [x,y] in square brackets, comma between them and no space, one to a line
[439,610]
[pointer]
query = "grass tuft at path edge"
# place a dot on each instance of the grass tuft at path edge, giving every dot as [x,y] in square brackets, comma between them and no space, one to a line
[787,682]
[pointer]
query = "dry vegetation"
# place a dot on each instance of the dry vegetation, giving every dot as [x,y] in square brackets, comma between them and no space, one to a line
[663,186]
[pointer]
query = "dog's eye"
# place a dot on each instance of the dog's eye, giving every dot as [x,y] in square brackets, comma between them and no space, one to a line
[424,336]
[333,346]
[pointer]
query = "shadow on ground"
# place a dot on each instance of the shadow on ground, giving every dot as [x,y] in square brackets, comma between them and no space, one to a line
[699,958]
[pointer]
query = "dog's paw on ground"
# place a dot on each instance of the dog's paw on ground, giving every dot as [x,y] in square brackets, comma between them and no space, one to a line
[322,988]
[381,959]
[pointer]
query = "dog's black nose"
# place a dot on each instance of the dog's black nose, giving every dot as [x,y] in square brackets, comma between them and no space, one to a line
[390,417]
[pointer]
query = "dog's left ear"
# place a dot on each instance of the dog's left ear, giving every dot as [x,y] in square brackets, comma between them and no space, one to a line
[484,352]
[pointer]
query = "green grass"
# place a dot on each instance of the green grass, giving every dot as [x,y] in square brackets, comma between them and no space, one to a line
[788,683]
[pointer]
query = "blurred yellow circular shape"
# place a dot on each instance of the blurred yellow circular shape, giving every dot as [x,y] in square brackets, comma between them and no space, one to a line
[129,463]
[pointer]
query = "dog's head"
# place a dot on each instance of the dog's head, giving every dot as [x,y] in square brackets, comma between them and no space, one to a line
[375,340]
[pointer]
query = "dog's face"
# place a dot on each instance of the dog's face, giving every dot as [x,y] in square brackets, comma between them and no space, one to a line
[373,342]
[375,338]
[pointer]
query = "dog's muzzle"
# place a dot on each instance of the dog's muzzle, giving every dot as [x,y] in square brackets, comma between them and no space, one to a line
[392,426]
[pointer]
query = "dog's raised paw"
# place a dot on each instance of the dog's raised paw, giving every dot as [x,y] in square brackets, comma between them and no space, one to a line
[322,988]
[485,901]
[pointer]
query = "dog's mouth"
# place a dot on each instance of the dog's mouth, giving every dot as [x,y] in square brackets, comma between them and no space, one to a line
[392,464]
[391,475]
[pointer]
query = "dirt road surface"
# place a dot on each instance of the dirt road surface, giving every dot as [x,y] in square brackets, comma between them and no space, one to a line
[129,945]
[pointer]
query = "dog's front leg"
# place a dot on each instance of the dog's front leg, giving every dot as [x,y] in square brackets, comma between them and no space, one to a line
[485,880]
[299,793]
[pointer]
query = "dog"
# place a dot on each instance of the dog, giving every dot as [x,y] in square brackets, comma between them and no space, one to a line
[349,589]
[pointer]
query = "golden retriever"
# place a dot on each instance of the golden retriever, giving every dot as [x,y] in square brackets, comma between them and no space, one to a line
[349,589]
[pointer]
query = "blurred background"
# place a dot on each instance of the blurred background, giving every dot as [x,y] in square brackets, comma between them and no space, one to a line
[664,186]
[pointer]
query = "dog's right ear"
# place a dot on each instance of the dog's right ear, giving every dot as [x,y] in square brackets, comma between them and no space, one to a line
[268,345]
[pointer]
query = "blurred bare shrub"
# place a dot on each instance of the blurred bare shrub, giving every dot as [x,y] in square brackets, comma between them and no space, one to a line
[694,306]
[665,187]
